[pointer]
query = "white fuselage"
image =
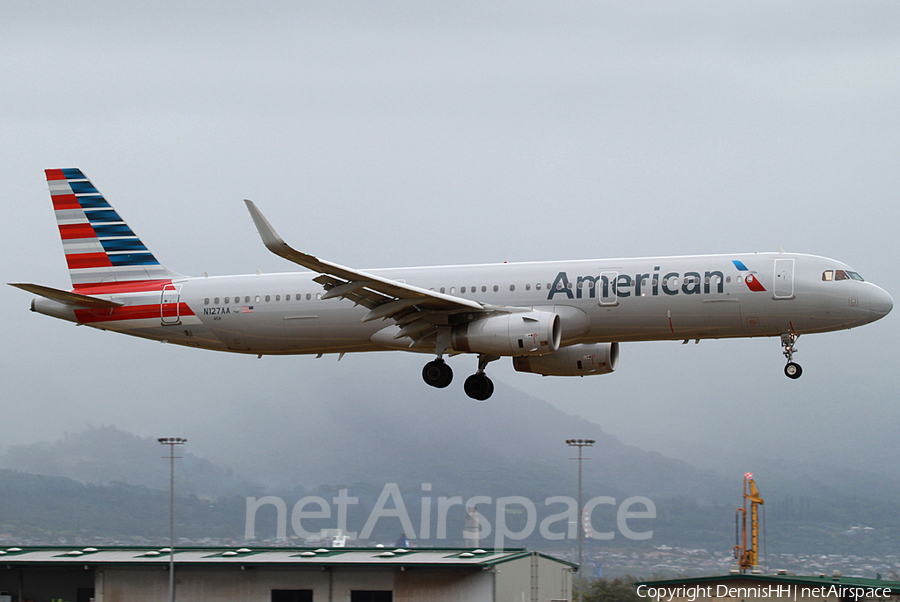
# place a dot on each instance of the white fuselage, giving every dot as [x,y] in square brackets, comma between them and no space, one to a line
[601,300]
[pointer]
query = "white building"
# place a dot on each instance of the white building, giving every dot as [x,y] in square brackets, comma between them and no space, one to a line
[42,574]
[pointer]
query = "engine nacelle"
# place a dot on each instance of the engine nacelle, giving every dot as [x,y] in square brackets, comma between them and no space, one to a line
[523,333]
[574,360]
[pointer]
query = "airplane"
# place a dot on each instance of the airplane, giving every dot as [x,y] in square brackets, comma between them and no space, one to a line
[554,318]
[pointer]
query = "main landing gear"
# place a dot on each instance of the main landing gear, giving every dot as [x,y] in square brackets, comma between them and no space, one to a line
[478,386]
[437,373]
[791,370]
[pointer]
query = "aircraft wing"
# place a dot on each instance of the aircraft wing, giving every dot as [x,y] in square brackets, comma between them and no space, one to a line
[383,297]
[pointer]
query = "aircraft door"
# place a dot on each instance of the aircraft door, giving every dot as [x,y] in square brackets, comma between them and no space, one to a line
[784,279]
[607,285]
[168,305]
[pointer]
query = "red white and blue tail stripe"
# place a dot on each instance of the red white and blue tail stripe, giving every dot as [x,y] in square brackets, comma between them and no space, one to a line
[100,248]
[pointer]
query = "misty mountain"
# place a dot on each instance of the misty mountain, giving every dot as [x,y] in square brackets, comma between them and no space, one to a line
[45,510]
[410,434]
[352,435]
[104,455]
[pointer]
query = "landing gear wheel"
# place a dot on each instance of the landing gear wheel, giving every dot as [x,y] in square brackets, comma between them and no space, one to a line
[437,373]
[793,370]
[479,387]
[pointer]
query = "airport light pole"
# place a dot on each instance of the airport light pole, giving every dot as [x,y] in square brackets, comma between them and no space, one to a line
[171,442]
[580,444]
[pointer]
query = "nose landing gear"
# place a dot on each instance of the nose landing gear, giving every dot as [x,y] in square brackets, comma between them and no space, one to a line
[791,370]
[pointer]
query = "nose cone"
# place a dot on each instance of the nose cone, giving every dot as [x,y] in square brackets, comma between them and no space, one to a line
[881,302]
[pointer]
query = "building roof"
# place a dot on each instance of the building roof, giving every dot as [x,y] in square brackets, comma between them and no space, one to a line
[810,580]
[258,556]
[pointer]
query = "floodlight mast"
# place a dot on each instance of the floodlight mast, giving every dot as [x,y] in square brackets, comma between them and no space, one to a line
[580,444]
[171,442]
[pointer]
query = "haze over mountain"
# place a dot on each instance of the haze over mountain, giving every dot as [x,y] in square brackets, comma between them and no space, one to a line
[513,445]
[410,435]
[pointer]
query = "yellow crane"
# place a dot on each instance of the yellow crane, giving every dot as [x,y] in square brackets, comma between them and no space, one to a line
[748,558]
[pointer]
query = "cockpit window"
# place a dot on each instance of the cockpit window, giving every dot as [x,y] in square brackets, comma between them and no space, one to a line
[829,275]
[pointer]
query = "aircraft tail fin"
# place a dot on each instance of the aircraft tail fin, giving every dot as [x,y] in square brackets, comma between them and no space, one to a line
[100,248]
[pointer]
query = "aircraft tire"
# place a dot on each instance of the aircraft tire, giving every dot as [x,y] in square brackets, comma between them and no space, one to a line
[479,387]
[437,373]
[793,370]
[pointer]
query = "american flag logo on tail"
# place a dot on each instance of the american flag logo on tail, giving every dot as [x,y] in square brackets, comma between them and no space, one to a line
[100,248]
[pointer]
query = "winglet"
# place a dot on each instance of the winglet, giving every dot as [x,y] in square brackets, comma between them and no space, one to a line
[268,234]
[275,243]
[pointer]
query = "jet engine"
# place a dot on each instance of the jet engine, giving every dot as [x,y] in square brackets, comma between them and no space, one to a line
[521,333]
[574,360]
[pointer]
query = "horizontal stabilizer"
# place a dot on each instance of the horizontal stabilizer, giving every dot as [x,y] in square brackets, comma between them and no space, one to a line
[67,298]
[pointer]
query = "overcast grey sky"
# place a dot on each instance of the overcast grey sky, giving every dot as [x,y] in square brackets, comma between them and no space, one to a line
[380,134]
